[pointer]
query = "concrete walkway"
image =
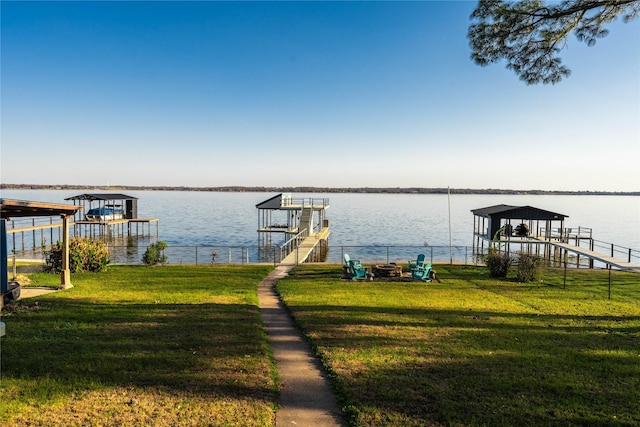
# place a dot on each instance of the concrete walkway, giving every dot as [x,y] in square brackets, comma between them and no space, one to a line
[30,292]
[306,398]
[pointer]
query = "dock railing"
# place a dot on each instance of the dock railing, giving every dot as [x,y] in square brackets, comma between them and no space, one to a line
[292,244]
[568,233]
[582,237]
[616,251]
[316,202]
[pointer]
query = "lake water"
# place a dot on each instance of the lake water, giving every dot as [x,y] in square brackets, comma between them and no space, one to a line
[211,219]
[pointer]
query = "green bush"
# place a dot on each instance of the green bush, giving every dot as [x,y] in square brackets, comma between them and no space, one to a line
[498,263]
[528,267]
[155,253]
[84,255]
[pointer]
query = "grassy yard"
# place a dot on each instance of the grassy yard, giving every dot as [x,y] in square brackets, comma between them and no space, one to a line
[184,346]
[137,346]
[476,351]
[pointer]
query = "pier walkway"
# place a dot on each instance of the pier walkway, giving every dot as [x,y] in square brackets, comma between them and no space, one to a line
[306,248]
[614,262]
[306,398]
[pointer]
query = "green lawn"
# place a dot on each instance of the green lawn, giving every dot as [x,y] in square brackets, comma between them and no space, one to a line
[476,351]
[184,346]
[165,346]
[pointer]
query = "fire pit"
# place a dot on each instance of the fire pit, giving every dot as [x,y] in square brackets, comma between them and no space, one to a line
[387,270]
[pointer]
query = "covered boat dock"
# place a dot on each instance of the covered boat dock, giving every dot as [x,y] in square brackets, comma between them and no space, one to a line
[537,230]
[109,210]
[300,222]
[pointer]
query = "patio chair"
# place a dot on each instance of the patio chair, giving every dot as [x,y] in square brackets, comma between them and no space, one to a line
[424,273]
[417,263]
[348,260]
[355,269]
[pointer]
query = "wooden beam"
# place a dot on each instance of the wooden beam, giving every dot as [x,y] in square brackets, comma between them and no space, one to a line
[65,276]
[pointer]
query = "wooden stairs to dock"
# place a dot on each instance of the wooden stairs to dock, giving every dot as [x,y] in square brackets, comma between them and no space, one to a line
[306,218]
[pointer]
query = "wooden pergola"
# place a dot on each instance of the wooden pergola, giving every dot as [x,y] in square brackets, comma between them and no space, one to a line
[20,209]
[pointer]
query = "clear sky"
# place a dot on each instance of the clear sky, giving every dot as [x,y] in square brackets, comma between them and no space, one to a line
[326,94]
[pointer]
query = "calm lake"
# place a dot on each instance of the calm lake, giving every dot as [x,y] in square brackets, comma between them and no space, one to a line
[211,219]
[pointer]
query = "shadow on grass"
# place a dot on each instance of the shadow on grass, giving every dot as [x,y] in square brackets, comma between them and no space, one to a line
[498,391]
[470,318]
[415,355]
[200,349]
[475,350]
[470,367]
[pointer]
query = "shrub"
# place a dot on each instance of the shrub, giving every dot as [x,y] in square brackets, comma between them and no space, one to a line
[155,253]
[528,267]
[498,263]
[84,255]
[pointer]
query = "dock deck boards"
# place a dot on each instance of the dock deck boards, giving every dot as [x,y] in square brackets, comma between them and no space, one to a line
[306,248]
[615,262]
[596,256]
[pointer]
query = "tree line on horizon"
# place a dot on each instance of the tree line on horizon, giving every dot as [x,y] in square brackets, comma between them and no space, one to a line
[306,189]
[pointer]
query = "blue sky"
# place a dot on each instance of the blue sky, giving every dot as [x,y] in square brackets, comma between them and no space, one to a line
[327,94]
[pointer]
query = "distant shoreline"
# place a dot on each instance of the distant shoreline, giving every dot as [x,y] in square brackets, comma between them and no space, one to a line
[373,190]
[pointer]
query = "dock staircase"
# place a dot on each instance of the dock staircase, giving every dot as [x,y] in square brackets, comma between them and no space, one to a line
[306,220]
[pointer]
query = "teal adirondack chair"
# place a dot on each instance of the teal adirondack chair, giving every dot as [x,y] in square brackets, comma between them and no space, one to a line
[417,263]
[348,260]
[355,269]
[424,273]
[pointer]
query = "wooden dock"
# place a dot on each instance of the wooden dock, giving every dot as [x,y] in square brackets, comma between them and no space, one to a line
[115,227]
[115,221]
[614,262]
[306,248]
[82,228]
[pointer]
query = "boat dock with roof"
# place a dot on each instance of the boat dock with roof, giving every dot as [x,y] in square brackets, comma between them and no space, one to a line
[543,232]
[96,215]
[301,224]
[106,214]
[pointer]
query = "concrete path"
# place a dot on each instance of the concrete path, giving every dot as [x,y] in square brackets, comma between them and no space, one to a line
[306,398]
[30,292]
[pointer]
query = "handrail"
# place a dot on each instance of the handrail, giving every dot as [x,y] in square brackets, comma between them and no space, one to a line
[304,232]
[613,249]
[586,234]
[581,232]
[293,243]
[305,201]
